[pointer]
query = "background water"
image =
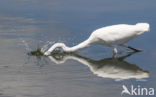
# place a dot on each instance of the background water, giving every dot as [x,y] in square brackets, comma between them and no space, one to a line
[26,25]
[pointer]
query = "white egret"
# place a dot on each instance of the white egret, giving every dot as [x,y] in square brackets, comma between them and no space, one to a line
[112,36]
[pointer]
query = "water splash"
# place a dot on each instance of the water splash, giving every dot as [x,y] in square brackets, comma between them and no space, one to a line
[27,47]
[46,46]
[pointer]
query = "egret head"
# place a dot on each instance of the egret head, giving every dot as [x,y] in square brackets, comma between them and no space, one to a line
[55,46]
[143,26]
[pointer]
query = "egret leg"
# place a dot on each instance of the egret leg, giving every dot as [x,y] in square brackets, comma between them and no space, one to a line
[115,51]
[134,49]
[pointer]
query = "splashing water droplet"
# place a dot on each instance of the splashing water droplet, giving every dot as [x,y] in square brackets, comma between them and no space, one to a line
[26,45]
[46,46]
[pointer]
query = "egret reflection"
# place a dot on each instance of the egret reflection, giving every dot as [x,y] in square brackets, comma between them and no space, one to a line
[114,68]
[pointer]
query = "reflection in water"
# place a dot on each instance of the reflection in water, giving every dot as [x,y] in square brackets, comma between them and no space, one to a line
[115,68]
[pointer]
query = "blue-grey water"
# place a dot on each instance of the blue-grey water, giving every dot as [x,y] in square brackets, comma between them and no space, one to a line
[26,25]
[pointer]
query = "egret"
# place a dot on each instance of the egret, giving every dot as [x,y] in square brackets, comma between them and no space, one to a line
[111,36]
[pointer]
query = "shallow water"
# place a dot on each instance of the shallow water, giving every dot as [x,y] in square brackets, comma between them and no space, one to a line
[26,25]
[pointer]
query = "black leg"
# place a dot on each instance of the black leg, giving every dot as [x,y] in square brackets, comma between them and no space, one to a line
[134,49]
